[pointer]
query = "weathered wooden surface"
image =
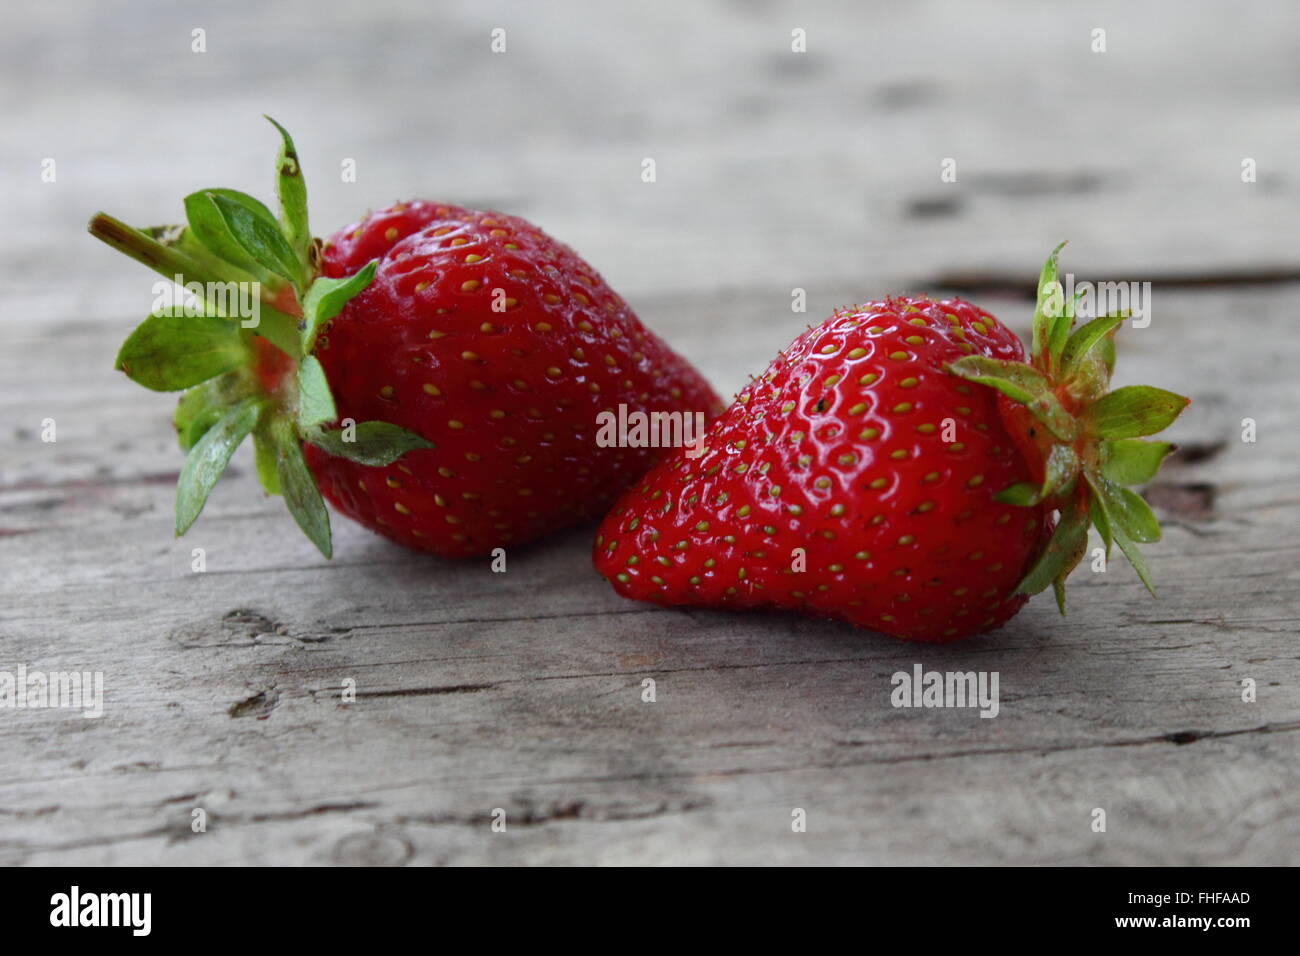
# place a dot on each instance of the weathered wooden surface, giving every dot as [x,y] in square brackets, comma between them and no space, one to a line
[522,690]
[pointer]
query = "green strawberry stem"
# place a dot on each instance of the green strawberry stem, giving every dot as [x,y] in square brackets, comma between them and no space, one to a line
[260,380]
[196,265]
[1086,441]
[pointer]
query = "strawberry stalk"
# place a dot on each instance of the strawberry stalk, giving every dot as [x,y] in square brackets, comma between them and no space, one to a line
[1087,442]
[240,377]
[160,249]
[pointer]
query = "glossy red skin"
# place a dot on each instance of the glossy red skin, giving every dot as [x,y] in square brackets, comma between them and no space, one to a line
[513,412]
[929,556]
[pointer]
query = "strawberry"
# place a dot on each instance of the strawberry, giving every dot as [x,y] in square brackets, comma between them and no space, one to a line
[902,467]
[435,372]
[507,391]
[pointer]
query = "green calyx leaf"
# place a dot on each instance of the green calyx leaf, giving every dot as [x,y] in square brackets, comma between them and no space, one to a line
[259,236]
[1021,383]
[1100,518]
[1016,380]
[205,404]
[298,485]
[315,403]
[1108,522]
[1136,560]
[212,233]
[1132,461]
[1062,468]
[1084,339]
[1129,514]
[268,473]
[1049,310]
[171,350]
[291,190]
[326,298]
[1058,589]
[1024,494]
[233,245]
[1060,474]
[1064,550]
[209,457]
[1107,355]
[1047,409]
[368,443]
[1134,411]
[1092,446]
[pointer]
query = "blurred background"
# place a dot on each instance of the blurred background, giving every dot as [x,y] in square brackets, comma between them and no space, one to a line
[774,169]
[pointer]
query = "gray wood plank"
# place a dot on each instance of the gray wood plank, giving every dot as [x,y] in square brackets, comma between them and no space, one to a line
[522,690]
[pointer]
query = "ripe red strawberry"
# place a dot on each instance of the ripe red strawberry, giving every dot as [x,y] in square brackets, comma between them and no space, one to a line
[502,347]
[899,467]
[442,368]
